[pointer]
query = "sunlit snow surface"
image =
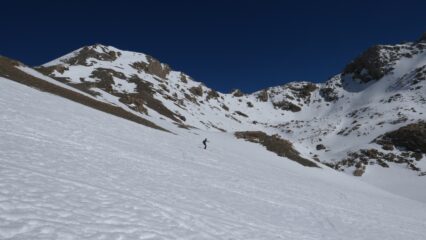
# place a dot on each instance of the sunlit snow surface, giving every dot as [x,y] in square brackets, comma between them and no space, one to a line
[71,172]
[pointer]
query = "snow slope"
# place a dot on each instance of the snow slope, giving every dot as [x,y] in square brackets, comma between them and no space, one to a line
[65,176]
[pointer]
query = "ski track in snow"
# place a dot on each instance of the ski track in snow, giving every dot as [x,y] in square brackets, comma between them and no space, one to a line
[70,172]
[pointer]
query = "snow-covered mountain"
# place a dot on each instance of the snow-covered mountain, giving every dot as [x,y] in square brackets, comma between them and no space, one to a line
[367,121]
[335,122]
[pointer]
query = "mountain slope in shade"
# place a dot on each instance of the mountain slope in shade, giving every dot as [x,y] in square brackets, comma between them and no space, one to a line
[71,172]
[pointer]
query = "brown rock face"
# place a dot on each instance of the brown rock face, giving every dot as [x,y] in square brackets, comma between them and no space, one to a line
[198,91]
[303,91]
[89,52]
[388,147]
[212,94]
[49,70]
[153,67]
[359,172]
[105,78]
[411,137]
[277,145]
[287,106]
[328,94]
[237,93]
[183,78]
[263,96]
[369,61]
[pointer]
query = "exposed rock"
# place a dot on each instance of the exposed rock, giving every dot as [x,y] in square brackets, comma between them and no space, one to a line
[145,95]
[212,94]
[153,67]
[417,155]
[164,87]
[89,52]
[388,147]
[136,103]
[418,75]
[237,93]
[370,153]
[287,106]
[190,98]
[226,108]
[373,156]
[370,65]
[241,114]
[304,91]
[105,78]
[49,70]
[359,172]
[263,96]
[275,144]
[329,94]
[382,163]
[183,78]
[320,147]
[411,137]
[198,91]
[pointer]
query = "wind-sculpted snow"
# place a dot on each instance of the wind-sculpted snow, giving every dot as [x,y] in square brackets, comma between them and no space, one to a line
[70,172]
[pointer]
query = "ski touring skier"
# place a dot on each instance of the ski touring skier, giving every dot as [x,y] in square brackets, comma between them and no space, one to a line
[205,143]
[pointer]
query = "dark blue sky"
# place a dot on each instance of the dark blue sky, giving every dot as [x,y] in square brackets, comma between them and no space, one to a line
[226,44]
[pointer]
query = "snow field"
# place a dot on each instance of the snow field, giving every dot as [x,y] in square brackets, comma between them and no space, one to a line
[71,172]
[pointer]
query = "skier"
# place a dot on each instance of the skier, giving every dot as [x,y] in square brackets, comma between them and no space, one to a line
[205,143]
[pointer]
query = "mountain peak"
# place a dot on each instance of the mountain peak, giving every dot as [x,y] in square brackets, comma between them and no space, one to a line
[81,55]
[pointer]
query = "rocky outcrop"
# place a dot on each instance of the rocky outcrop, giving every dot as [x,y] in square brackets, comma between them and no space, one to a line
[370,65]
[90,52]
[364,157]
[329,94]
[360,170]
[320,147]
[212,94]
[154,67]
[237,93]
[411,137]
[379,60]
[263,96]
[105,79]
[277,145]
[287,106]
[197,91]
[241,113]
[49,70]
[303,91]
